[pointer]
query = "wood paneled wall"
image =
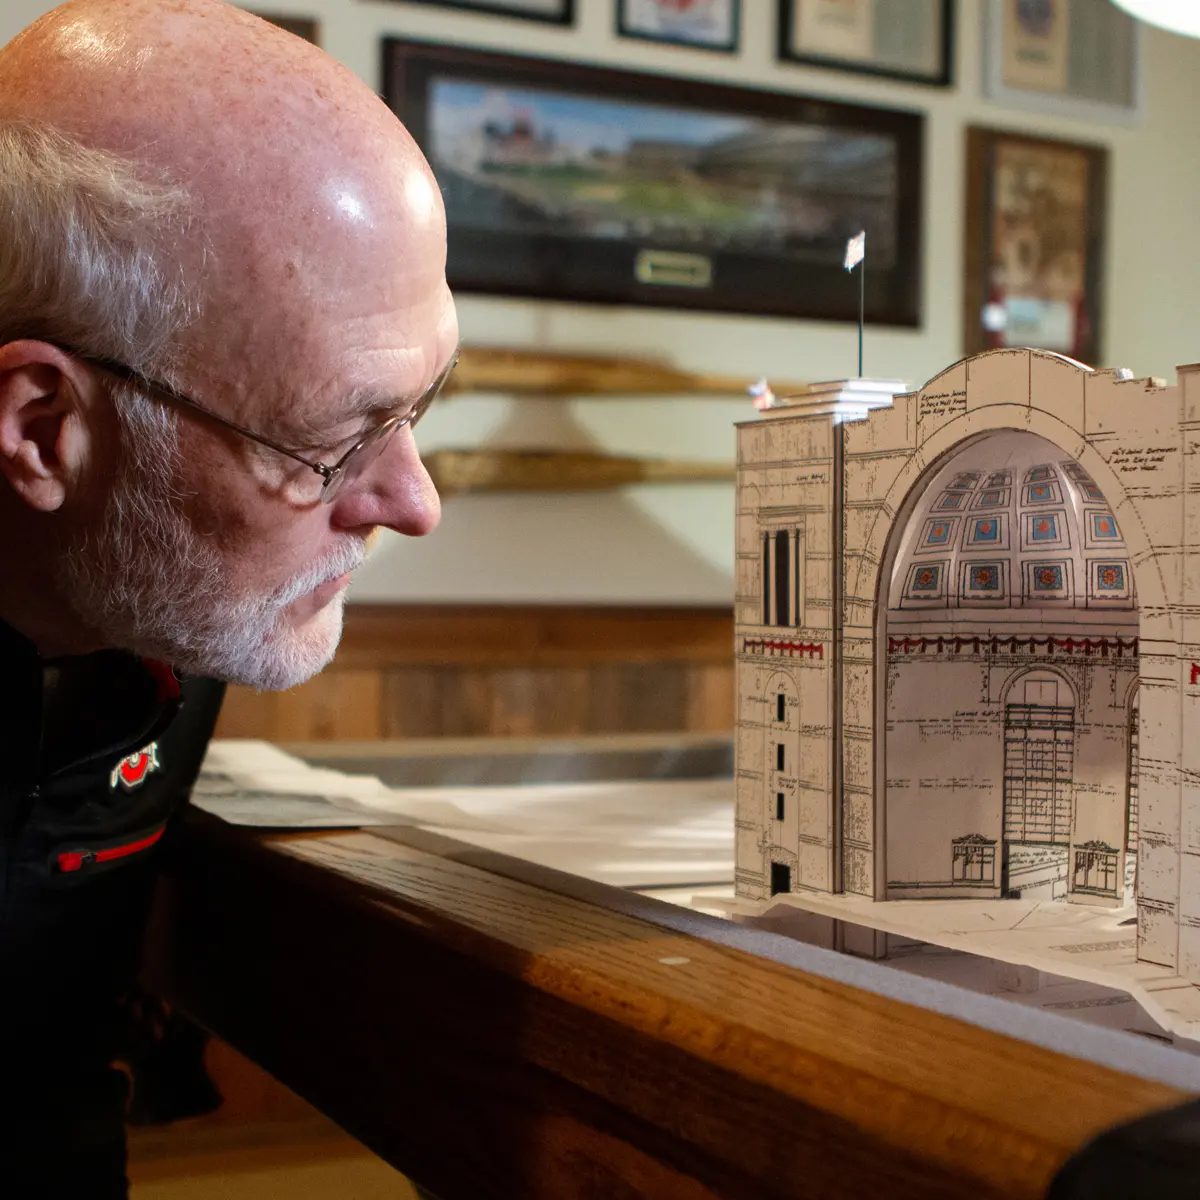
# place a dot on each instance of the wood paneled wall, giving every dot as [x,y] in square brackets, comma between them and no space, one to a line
[467,671]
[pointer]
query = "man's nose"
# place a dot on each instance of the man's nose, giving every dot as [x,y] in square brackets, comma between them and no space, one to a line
[395,491]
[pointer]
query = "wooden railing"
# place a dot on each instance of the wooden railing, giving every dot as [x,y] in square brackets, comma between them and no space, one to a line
[496,1029]
[486,671]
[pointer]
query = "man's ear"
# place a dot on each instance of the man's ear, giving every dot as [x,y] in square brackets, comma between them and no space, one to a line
[43,438]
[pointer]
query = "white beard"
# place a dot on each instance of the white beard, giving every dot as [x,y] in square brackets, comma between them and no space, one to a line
[147,582]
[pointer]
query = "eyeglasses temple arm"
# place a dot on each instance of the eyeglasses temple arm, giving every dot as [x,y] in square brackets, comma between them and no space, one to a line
[176,397]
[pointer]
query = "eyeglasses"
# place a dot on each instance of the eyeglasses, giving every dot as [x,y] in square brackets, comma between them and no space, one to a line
[334,478]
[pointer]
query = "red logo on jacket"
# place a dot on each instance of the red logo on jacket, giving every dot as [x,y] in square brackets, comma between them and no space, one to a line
[131,772]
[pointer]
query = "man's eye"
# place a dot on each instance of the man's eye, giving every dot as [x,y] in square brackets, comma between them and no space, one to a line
[337,449]
[329,446]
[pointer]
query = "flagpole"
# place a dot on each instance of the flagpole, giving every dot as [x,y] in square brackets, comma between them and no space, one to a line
[856,256]
[862,296]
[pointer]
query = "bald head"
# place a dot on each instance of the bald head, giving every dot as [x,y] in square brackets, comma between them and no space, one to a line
[306,189]
[197,162]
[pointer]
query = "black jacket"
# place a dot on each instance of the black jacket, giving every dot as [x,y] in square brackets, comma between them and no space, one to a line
[97,754]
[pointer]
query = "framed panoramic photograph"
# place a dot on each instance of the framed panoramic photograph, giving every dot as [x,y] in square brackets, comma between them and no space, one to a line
[703,24]
[556,12]
[911,40]
[580,183]
[1034,252]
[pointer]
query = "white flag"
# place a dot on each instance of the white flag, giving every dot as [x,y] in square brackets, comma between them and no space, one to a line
[856,250]
[762,394]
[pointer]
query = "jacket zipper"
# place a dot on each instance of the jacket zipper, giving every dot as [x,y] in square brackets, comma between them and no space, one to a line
[68,861]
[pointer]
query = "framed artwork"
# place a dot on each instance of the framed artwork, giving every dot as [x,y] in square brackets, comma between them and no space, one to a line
[911,40]
[703,24]
[1035,234]
[304,27]
[1076,58]
[555,12]
[574,182]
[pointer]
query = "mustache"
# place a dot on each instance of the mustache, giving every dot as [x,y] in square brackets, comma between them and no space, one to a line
[341,562]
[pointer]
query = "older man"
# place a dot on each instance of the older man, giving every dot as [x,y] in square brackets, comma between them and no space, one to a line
[223,307]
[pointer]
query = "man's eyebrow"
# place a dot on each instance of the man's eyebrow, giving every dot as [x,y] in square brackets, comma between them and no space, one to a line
[366,402]
[369,401]
[317,430]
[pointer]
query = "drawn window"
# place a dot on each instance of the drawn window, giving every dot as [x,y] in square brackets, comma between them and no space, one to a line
[780,703]
[1096,869]
[974,861]
[766,579]
[779,806]
[798,582]
[1039,759]
[779,756]
[782,577]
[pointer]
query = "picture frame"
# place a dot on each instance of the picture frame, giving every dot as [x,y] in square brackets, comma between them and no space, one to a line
[308,28]
[1071,58]
[709,25]
[909,40]
[550,12]
[573,182]
[1035,244]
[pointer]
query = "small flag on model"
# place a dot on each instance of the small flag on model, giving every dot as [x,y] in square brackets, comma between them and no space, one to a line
[764,398]
[856,250]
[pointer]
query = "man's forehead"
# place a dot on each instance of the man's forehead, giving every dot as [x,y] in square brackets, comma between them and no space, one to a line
[278,341]
[296,150]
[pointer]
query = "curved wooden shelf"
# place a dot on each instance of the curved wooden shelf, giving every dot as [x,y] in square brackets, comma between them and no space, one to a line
[548,373]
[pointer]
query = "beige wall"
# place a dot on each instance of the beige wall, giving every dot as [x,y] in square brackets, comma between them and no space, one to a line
[675,543]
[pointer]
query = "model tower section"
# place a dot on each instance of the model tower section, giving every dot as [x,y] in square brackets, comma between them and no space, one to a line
[790,584]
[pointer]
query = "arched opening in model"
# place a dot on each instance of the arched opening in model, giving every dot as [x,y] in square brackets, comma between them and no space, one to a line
[1009,634]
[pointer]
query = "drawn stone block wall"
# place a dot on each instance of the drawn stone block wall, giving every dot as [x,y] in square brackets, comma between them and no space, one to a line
[946,755]
[1189,678]
[783,632]
[858,803]
[1141,441]
[945,778]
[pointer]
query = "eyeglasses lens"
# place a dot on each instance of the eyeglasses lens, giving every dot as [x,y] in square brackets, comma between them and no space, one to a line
[360,460]
[373,447]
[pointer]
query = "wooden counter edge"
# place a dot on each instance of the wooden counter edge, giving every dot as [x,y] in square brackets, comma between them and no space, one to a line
[494,1037]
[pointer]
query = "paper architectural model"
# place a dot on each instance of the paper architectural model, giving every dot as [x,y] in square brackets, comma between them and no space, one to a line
[968,643]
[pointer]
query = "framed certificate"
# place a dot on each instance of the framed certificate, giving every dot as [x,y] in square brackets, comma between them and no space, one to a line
[702,25]
[902,39]
[553,12]
[1075,58]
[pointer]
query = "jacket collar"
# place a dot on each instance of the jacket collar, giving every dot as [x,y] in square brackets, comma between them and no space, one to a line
[104,705]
